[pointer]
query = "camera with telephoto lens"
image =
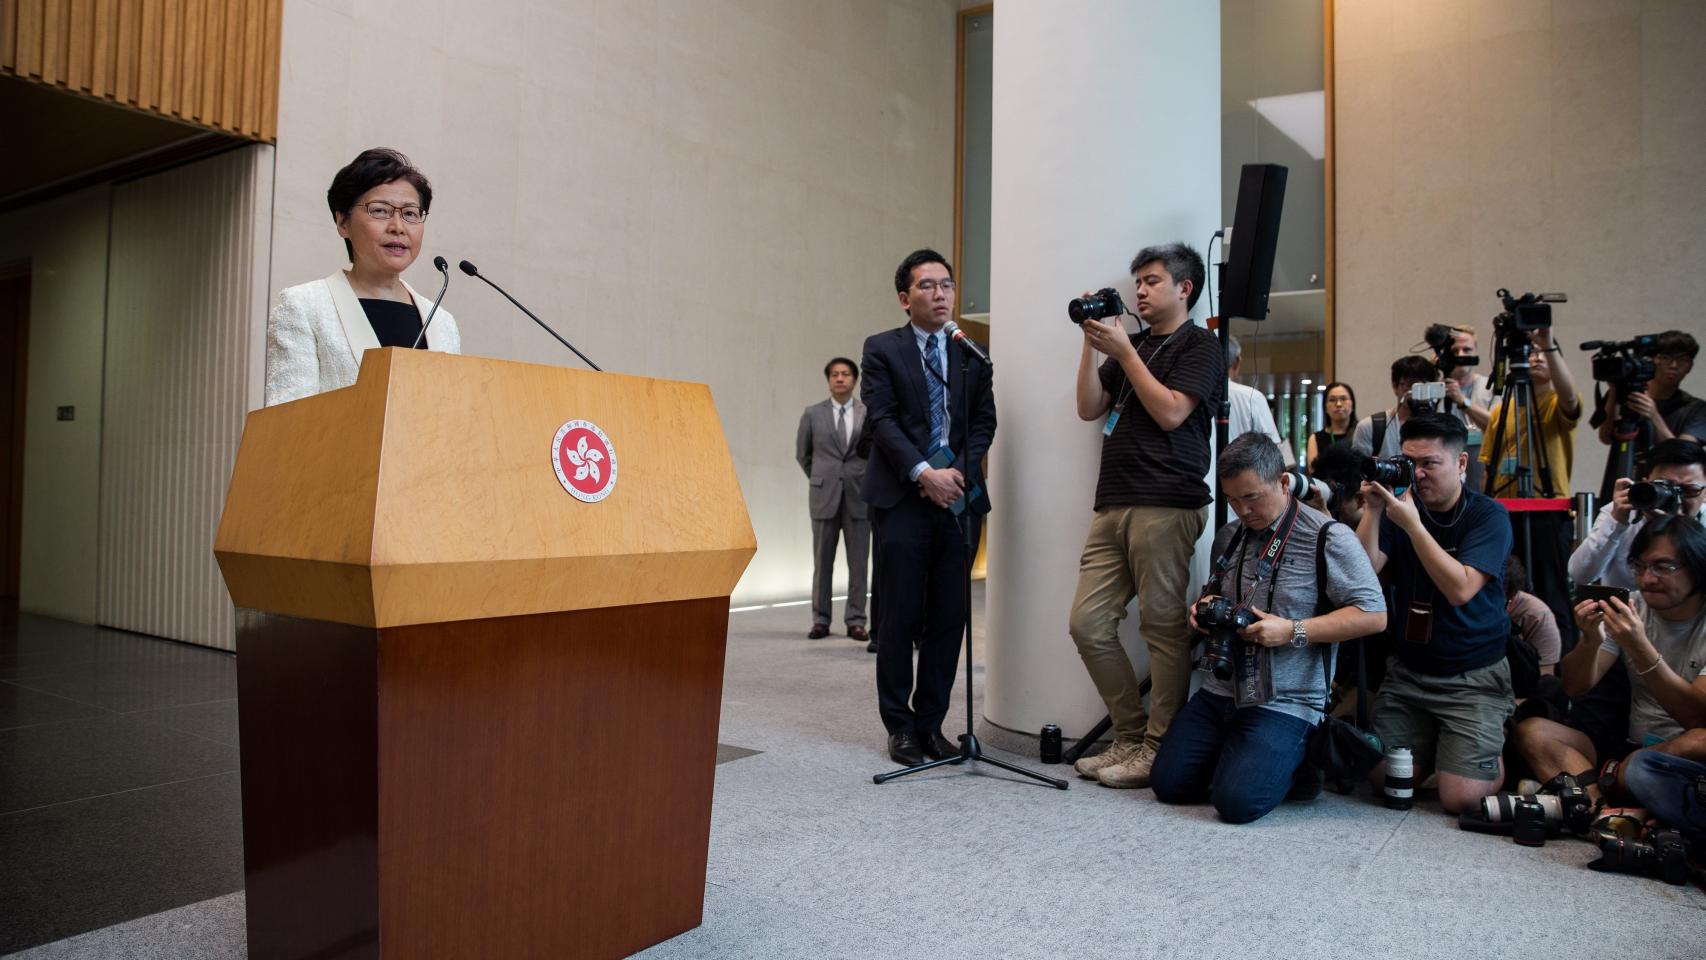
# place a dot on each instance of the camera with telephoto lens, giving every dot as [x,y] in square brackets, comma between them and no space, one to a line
[1102,304]
[1659,496]
[1302,486]
[1389,472]
[1220,620]
[1532,817]
[1625,364]
[1663,856]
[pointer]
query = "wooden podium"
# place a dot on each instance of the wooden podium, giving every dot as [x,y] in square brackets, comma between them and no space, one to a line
[479,714]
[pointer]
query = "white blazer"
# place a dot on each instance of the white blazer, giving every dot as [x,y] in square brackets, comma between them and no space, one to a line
[317,333]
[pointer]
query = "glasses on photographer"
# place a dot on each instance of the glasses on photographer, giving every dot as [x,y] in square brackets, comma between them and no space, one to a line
[380,210]
[1674,359]
[931,286]
[1658,568]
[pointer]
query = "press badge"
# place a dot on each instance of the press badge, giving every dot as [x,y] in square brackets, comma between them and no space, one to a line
[1113,418]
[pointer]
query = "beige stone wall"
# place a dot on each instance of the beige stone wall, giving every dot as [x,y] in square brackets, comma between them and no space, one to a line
[714,190]
[1529,144]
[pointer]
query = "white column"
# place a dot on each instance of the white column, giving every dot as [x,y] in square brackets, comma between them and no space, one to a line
[1106,140]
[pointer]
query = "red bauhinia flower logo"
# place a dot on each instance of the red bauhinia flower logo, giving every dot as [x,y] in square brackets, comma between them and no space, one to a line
[585,461]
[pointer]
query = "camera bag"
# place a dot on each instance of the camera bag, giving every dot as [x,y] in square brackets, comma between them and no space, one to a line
[1341,750]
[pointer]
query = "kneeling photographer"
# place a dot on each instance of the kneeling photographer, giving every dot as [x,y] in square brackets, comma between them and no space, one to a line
[1660,635]
[1240,739]
[1448,687]
[1675,484]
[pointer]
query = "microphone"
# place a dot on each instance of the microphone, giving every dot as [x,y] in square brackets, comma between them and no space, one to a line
[443,266]
[474,271]
[952,329]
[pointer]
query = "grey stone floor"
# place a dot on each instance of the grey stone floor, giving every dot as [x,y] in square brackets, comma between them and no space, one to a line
[810,859]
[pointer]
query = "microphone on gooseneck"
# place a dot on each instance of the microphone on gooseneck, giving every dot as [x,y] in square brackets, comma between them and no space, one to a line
[474,271]
[952,329]
[443,266]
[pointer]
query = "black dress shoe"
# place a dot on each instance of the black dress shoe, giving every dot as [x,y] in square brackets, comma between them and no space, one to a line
[857,634]
[904,749]
[872,646]
[937,747]
[818,632]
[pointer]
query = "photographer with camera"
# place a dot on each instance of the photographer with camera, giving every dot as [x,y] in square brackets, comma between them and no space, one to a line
[1443,548]
[1153,394]
[1378,435]
[1659,635]
[1469,395]
[1675,484]
[1270,633]
[1661,402]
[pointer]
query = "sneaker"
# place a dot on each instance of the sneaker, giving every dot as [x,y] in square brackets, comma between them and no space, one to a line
[1117,752]
[1134,772]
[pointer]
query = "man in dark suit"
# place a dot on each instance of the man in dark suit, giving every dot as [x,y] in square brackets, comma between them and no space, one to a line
[827,447]
[931,423]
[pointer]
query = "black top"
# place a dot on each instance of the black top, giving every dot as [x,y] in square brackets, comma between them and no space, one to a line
[395,324]
[1327,438]
[1477,533]
[1142,464]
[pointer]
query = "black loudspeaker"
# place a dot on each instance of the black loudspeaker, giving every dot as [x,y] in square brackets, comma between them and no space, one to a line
[1255,234]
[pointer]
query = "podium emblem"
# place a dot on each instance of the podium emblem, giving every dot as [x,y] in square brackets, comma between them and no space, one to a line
[585,461]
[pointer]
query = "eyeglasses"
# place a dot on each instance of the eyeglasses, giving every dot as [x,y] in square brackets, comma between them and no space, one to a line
[1674,359]
[1338,399]
[931,286]
[1658,568]
[380,210]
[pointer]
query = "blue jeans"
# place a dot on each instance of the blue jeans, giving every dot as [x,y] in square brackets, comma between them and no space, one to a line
[1248,756]
[1665,786]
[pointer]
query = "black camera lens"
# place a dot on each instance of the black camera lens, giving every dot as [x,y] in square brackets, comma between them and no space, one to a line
[1528,822]
[1102,304]
[1389,472]
[1220,620]
[1658,495]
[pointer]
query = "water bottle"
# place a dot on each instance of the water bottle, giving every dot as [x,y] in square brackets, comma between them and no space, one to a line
[1400,778]
[1051,743]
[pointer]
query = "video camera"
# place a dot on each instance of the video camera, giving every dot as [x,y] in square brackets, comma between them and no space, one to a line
[1443,340]
[1625,364]
[1512,333]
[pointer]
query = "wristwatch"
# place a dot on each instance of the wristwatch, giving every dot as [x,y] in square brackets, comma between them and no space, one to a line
[1299,636]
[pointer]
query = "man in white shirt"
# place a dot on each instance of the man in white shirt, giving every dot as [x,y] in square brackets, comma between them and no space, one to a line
[1470,397]
[1250,410]
[1603,555]
[826,447]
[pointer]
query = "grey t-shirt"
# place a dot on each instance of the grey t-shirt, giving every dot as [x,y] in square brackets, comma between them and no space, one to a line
[1362,439]
[1683,647]
[1300,676]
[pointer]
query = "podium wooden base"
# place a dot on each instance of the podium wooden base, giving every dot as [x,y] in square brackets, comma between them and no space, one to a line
[534,786]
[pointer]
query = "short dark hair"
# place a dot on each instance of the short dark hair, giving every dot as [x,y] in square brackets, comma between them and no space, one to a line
[850,365]
[1679,341]
[1412,366]
[917,258]
[1340,468]
[1251,451]
[1447,430]
[1182,263]
[1675,452]
[371,168]
[1686,535]
[1516,576]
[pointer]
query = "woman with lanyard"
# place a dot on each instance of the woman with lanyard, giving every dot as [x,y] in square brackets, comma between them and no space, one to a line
[1340,404]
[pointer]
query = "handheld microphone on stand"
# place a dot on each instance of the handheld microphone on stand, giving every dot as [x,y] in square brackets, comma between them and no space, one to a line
[474,271]
[443,266]
[952,329]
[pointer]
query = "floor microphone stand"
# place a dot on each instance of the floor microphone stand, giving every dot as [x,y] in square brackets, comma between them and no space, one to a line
[970,749]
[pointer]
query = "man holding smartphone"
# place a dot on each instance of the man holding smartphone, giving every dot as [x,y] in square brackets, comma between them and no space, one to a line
[1448,686]
[1660,635]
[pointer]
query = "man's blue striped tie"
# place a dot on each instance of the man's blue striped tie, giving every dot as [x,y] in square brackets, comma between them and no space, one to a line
[938,411]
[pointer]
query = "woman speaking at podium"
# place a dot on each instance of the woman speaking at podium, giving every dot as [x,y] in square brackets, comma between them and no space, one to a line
[318,330]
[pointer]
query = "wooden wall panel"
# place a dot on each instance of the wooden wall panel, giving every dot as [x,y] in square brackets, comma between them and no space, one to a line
[212,63]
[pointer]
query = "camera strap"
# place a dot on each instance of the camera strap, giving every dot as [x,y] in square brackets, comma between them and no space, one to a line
[1269,558]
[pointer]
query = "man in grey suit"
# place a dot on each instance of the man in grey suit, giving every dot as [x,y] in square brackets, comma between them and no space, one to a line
[827,449]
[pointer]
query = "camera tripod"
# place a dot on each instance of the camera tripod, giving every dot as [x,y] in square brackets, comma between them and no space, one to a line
[970,749]
[1529,449]
[1631,438]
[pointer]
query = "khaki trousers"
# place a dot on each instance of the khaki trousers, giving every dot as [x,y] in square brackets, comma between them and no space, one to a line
[1142,552]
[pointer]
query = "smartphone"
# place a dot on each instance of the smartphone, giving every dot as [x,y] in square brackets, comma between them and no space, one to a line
[1594,591]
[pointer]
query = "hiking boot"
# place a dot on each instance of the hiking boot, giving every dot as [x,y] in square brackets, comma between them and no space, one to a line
[1133,772]
[1117,752]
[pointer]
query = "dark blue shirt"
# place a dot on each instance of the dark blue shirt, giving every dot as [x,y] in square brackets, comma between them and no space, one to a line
[1477,532]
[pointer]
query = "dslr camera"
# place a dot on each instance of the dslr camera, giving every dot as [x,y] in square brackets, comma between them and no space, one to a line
[1389,472]
[1659,496]
[1102,304]
[1220,620]
[1664,856]
[1626,364]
